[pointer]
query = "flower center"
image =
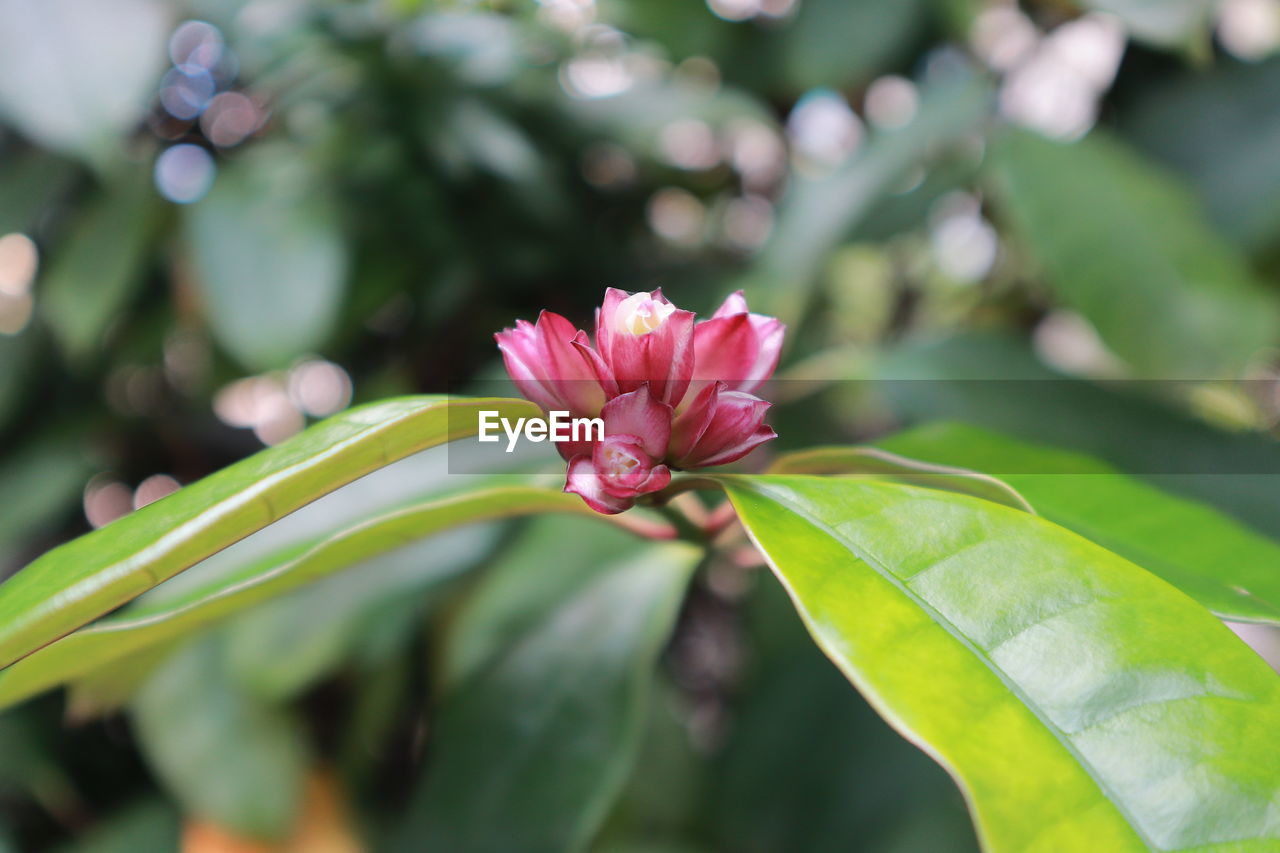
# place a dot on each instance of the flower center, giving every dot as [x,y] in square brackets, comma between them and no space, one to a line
[640,313]
[618,462]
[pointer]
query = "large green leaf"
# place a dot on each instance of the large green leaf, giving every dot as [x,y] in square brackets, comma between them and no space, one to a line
[101,264]
[152,624]
[270,259]
[77,75]
[876,462]
[1227,119]
[226,756]
[1081,702]
[1126,246]
[1227,567]
[526,582]
[78,581]
[996,382]
[531,750]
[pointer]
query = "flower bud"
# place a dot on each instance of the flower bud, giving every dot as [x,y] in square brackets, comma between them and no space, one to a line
[735,347]
[671,393]
[626,463]
[720,426]
[643,338]
[547,364]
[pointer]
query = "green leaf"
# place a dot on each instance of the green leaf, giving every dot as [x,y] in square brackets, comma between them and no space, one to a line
[1214,559]
[270,259]
[77,75]
[877,462]
[227,757]
[1126,246]
[1227,118]
[1164,23]
[101,263]
[152,624]
[17,352]
[1081,702]
[995,381]
[316,628]
[532,750]
[146,825]
[30,183]
[39,484]
[524,584]
[81,580]
[840,43]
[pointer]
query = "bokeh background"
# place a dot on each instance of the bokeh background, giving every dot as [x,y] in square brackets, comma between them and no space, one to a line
[222,220]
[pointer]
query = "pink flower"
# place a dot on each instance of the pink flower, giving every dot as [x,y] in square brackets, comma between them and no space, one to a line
[549,366]
[678,393]
[643,338]
[719,427]
[735,347]
[626,464]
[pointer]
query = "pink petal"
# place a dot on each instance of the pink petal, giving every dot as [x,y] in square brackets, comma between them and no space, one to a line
[638,413]
[690,424]
[571,375]
[524,364]
[734,303]
[736,427]
[735,452]
[605,321]
[736,347]
[725,350]
[601,370]
[659,477]
[583,481]
[770,332]
[621,464]
[663,357]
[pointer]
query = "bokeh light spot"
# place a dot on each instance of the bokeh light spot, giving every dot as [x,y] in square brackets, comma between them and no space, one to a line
[18,261]
[319,388]
[196,43]
[184,173]
[230,118]
[677,215]
[689,144]
[153,489]
[824,130]
[891,102]
[105,500]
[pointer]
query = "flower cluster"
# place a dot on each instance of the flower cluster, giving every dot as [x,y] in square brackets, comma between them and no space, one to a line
[673,393]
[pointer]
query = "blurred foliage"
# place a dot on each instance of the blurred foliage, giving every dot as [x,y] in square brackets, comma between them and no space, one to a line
[246,224]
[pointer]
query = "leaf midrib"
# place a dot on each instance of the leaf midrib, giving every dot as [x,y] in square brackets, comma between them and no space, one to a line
[878,566]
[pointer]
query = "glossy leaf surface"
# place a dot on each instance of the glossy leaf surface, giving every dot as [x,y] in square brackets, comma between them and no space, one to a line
[78,581]
[532,748]
[876,462]
[1081,702]
[1122,241]
[1213,558]
[140,628]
